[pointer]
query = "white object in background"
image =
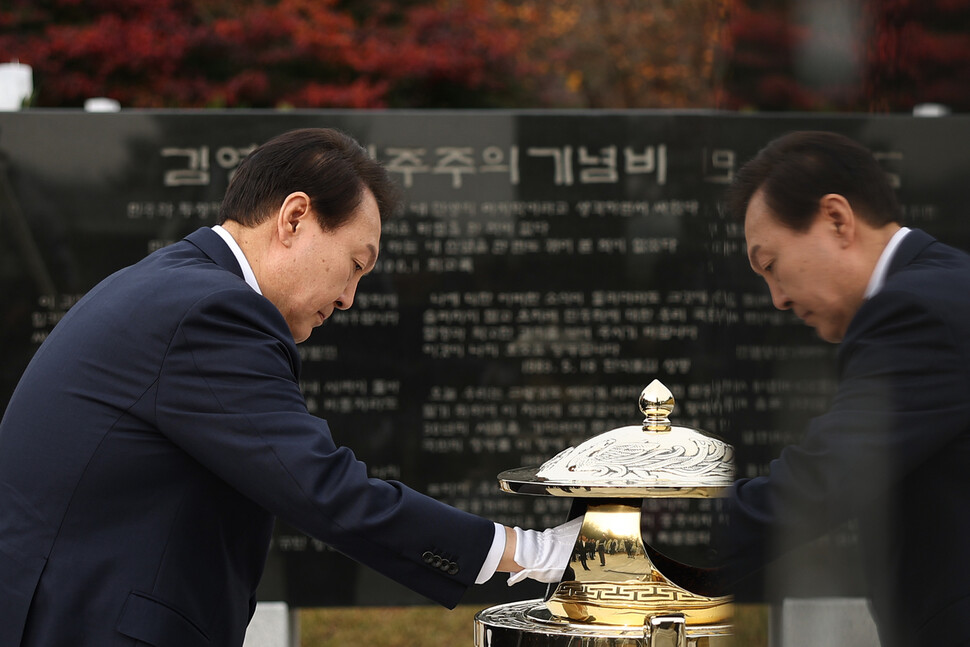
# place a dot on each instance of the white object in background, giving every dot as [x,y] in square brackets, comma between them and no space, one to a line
[827,622]
[930,110]
[16,85]
[273,625]
[101,104]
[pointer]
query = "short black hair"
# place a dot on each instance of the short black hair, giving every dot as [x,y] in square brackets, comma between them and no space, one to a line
[796,170]
[326,164]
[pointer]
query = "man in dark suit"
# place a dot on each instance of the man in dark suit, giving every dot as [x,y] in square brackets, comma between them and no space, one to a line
[821,224]
[160,428]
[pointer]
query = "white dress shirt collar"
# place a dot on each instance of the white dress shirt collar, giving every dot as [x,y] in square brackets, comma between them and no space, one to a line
[237,251]
[878,277]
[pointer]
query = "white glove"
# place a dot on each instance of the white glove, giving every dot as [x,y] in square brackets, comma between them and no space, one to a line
[544,555]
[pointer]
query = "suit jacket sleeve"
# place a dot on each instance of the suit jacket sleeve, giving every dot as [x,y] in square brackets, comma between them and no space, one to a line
[228,395]
[902,397]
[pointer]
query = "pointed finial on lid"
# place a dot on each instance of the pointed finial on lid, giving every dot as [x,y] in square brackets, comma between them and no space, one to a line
[656,403]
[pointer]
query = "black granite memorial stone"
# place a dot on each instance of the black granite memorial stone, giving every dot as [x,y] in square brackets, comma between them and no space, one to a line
[544,265]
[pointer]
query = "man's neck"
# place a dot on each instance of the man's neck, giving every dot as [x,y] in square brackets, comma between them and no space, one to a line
[886,251]
[253,241]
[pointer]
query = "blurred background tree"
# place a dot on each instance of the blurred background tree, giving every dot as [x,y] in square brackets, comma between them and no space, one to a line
[832,55]
[619,53]
[846,55]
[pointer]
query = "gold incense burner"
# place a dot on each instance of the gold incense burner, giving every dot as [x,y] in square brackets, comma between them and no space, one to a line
[637,596]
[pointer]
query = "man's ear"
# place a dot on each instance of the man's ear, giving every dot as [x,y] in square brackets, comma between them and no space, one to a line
[292,217]
[839,217]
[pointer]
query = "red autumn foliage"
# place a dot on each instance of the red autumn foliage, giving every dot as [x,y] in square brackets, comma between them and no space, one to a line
[248,53]
[845,55]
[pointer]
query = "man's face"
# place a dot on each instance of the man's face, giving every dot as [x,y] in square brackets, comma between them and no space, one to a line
[323,268]
[805,271]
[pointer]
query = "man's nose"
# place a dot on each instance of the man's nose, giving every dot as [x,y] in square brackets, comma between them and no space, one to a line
[778,297]
[346,298]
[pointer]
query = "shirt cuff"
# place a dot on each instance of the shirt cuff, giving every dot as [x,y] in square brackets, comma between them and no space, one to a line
[494,555]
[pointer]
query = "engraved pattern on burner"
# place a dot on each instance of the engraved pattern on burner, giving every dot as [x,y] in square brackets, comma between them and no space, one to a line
[644,595]
[643,461]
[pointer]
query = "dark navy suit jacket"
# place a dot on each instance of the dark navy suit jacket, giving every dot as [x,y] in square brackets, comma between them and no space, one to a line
[893,452]
[147,448]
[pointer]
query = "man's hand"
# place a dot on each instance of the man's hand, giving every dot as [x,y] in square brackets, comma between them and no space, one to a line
[541,556]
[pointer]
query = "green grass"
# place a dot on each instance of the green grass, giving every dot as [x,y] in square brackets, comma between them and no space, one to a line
[427,626]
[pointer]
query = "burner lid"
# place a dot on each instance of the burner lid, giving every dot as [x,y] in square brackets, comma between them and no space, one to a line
[655,459]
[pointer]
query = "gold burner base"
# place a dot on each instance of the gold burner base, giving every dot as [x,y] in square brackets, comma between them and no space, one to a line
[616,579]
[632,603]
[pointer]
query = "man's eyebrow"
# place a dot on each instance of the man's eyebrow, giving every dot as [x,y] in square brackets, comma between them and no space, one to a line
[752,253]
[373,256]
